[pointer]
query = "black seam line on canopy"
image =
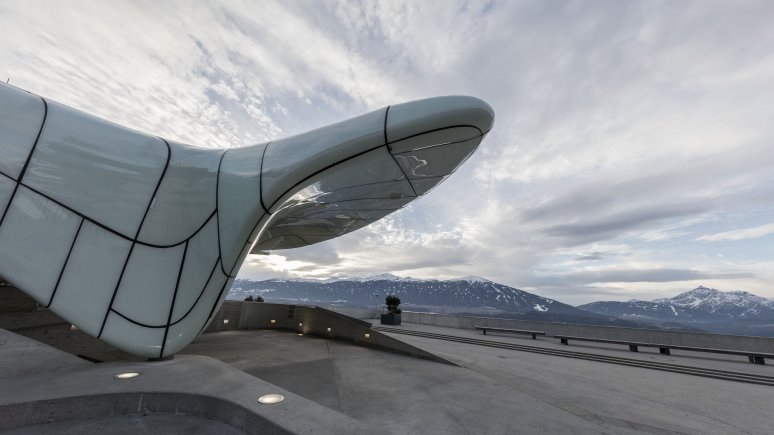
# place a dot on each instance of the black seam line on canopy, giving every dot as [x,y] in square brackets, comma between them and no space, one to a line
[307,213]
[306,233]
[260,179]
[481,133]
[230,275]
[302,239]
[320,226]
[261,243]
[305,227]
[260,196]
[387,145]
[308,199]
[318,172]
[267,209]
[479,137]
[192,235]
[217,300]
[134,242]
[201,293]
[26,162]
[190,309]
[344,210]
[352,157]
[172,305]
[64,265]
[217,203]
[105,227]
[317,231]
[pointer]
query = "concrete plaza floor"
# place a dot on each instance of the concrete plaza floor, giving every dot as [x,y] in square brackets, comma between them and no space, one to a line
[497,391]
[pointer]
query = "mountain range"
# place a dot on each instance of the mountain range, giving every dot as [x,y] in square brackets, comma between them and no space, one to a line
[712,310]
[470,296]
[700,309]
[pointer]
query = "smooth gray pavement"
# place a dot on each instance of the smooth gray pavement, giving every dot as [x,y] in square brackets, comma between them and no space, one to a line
[366,390]
[75,396]
[495,391]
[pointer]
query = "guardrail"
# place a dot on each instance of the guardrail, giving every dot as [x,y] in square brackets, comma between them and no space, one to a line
[664,349]
[534,334]
[667,338]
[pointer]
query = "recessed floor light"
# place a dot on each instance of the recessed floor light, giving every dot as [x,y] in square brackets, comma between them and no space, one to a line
[271,399]
[126,375]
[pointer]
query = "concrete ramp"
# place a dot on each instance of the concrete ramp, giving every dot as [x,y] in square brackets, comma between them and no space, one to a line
[318,321]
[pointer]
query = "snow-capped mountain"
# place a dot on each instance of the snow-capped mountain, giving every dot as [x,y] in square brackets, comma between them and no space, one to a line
[733,304]
[700,304]
[704,308]
[471,295]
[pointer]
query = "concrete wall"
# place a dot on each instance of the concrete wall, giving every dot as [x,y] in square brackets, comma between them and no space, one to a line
[657,336]
[358,313]
[235,315]
[13,300]
[19,313]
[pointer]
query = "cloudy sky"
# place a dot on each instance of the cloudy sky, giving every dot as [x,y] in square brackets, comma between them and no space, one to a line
[632,154]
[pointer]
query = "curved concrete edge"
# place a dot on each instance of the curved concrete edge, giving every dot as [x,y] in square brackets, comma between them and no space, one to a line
[195,385]
[25,414]
[317,321]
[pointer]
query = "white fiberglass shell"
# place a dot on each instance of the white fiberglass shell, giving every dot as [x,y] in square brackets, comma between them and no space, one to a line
[136,239]
[21,116]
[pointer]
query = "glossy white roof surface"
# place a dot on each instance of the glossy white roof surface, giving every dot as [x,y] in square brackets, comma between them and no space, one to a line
[136,239]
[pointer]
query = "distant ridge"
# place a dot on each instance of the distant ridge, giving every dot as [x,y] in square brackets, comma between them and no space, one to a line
[734,312]
[470,295]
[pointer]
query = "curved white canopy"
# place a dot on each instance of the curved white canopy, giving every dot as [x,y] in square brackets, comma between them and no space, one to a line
[136,239]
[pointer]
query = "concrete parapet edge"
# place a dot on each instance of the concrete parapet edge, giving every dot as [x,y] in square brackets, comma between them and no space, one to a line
[131,403]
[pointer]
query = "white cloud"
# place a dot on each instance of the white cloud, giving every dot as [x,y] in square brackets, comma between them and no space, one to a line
[631,132]
[740,234]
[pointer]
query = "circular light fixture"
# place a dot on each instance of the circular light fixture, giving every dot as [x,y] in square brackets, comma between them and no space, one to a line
[273,321]
[367,335]
[126,375]
[225,321]
[329,329]
[271,399]
[300,325]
